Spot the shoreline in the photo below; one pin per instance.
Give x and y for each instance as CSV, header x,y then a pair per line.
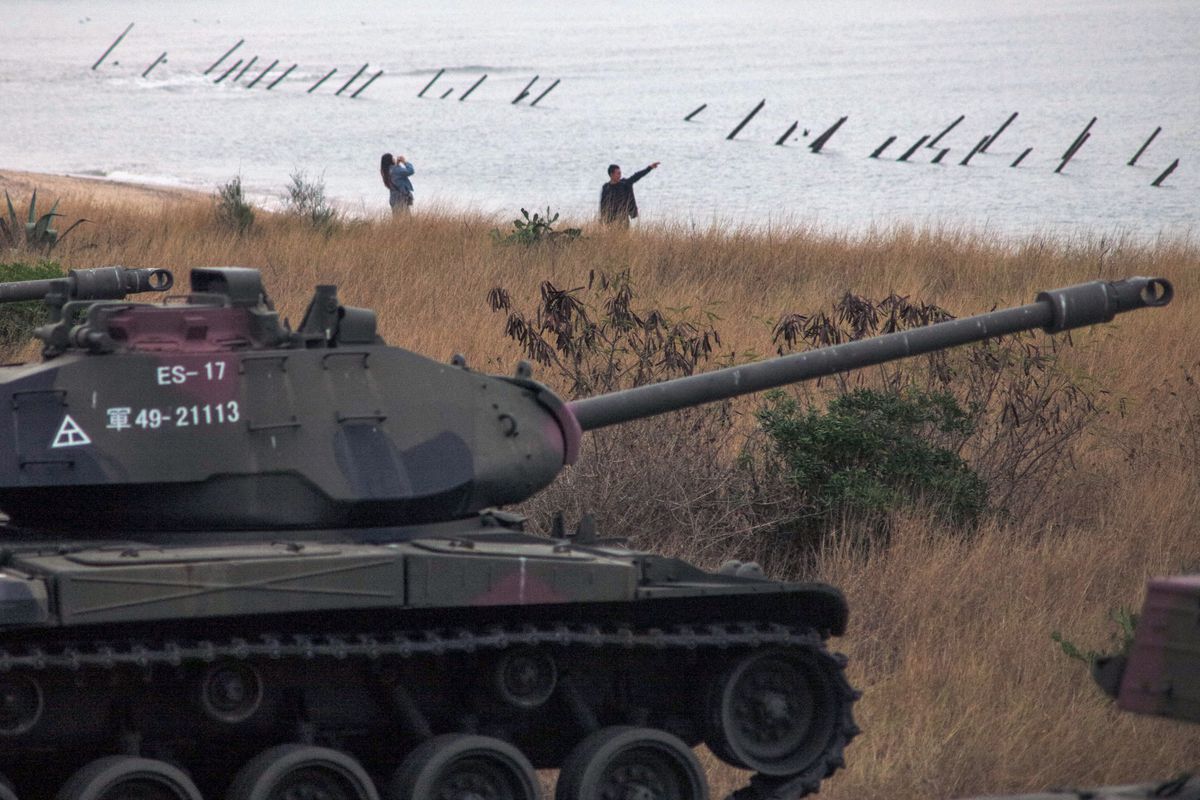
x,y
103,190
20,185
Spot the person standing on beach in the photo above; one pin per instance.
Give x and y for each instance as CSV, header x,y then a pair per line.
x,y
617,203
395,172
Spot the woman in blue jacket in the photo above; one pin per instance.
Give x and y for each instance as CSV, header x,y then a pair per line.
x,y
395,172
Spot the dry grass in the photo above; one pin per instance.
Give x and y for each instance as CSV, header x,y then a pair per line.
x,y
950,635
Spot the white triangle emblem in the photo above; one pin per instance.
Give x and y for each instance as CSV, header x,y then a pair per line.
x,y
70,434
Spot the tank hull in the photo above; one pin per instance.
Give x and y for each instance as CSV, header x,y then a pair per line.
x,y
376,640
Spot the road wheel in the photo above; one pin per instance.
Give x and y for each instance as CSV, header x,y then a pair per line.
x,y
6,789
776,712
129,778
302,772
631,764
21,704
464,767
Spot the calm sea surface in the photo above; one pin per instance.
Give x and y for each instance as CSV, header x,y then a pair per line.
x,y
630,72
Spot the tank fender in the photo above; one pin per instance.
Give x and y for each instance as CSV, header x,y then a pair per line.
x,y
820,605
24,600
828,605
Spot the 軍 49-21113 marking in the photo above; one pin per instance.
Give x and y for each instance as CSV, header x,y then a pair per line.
x,y
126,418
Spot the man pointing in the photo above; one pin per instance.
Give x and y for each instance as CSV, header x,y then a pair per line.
x,y
617,203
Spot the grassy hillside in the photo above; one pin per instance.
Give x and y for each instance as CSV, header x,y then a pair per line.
x,y
950,635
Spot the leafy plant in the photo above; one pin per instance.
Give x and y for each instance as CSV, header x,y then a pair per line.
x,y
871,451
35,233
232,210
17,320
306,199
1120,642
536,229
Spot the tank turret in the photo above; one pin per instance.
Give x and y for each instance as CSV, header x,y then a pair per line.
x,y
326,426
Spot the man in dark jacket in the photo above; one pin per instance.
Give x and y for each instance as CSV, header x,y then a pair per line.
x,y
617,203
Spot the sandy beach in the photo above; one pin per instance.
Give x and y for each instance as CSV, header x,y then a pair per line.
x,y
20,186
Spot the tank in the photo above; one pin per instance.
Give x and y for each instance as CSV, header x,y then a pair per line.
x,y
1183,787
259,563
1159,675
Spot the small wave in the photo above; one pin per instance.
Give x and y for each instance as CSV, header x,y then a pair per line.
x,y
470,69
148,178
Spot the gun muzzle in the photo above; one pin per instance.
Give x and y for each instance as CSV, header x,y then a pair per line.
x,y
1100,301
101,283
114,283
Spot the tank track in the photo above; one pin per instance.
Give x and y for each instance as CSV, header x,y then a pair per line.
x,y
145,653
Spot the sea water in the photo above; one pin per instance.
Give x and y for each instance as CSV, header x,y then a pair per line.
x,y
630,72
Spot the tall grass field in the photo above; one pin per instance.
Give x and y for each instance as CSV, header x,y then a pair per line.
x,y
950,636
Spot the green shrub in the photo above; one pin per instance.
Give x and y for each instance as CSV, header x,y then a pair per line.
x,y
233,212
872,451
35,233
17,320
306,200
530,230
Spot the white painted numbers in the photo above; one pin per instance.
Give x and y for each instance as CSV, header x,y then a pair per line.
x,y
207,414
194,416
151,418
133,418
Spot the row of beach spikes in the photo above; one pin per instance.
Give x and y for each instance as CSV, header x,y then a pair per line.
x,y
242,66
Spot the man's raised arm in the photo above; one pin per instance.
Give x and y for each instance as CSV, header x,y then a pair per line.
x,y
637,176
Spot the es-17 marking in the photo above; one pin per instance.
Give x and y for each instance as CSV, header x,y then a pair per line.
x,y
175,374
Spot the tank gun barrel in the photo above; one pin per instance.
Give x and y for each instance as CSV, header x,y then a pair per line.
x,y
1054,311
102,283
